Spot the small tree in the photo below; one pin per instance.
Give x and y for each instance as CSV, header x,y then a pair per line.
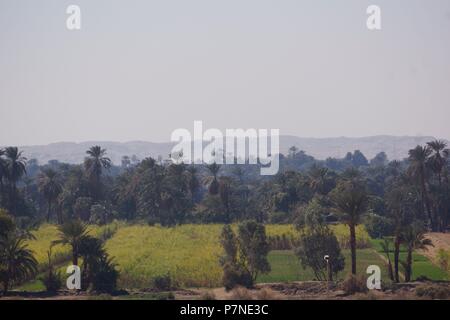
x,y
52,279
17,262
99,271
314,245
253,248
72,233
414,237
245,255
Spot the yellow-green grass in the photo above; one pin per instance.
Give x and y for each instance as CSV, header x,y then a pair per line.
x,y
48,233
188,253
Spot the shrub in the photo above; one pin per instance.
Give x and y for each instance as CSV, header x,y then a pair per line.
x,y
162,282
354,284
249,249
234,276
105,276
52,281
433,291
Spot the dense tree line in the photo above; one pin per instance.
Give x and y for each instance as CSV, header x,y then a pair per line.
x,y
397,199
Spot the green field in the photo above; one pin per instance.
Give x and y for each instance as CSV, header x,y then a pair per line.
x,y
190,254
422,266
286,266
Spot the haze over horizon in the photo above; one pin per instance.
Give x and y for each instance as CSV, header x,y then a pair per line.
x,y
137,70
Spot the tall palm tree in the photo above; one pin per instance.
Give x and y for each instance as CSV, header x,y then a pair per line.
x,y
72,233
418,158
49,184
15,169
94,165
350,202
437,159
18,262
414,237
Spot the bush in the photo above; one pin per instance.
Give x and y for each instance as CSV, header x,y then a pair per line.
x,y
105,276
433,291
162,282
234,276
378,226
354,284
52,281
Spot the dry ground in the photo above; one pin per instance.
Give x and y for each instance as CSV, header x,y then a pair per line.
x,y
440,241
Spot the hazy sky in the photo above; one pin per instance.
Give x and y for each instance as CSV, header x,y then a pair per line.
x,y
137,70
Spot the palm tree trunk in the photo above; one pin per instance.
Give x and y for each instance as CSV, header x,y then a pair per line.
x,y
391,272
396,258
426,201
74,256
5,285
408,271
353,246
49,210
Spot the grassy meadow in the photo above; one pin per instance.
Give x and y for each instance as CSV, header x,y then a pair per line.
x,y
190,254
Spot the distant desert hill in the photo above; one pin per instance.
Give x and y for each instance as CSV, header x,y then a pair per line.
x,y
396,147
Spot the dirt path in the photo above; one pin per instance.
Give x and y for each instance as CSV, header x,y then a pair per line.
x,y
440,241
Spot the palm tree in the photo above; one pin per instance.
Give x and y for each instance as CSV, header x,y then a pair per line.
x,y
49,184
438,162
350,201
15,169
418,158
318,178
18,262
414,237
395,201
94,165
213,183
72,233
437,159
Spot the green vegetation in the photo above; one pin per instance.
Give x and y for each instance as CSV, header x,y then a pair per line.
x,y
421,265
153,224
